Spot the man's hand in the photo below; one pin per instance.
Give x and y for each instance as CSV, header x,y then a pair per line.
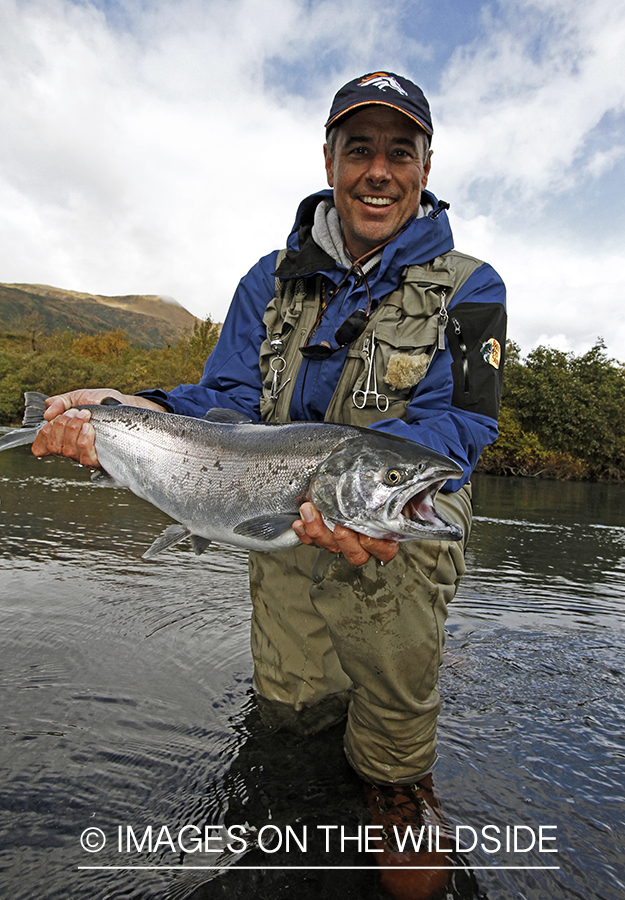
x,y
356,548
68,432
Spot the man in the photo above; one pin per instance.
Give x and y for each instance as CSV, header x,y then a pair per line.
x,y
369,282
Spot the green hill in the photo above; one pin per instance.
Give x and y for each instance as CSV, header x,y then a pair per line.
x,y
147,320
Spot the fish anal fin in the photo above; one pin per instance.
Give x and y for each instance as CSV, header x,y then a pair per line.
x,y
172,535
199,544
266,528
103,479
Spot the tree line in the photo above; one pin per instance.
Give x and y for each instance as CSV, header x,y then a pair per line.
x,y
62,360
562,414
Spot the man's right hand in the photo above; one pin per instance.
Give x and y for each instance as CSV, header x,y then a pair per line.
x,y
68,432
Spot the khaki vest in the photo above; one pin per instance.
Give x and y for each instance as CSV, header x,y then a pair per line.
x,y
409,325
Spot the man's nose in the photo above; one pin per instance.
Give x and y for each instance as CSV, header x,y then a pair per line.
x,y
379,169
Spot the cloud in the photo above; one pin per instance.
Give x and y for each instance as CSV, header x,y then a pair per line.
x,y
164,147
143,148
528,94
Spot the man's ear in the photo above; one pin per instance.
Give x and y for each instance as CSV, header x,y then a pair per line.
x,y
329,165
427,165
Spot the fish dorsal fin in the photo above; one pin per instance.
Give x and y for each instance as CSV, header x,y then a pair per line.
x,y
199,544
227,417
111,401
172,535
266,528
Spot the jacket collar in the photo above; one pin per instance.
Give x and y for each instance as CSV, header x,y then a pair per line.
x,y
423,240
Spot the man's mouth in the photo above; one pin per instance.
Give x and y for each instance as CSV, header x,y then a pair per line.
x,y
377,201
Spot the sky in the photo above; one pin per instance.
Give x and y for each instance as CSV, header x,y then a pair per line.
x,y
163,146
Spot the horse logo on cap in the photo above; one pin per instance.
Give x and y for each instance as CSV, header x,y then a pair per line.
x,y
382,81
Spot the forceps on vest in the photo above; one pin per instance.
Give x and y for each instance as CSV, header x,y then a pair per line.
x,y
359,397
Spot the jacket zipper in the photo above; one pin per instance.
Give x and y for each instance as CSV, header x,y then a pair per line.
x,y
463,349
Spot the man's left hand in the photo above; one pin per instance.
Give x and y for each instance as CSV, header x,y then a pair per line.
x,y
355,547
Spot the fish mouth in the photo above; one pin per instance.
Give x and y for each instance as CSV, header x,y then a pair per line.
x,y
418,514
420,506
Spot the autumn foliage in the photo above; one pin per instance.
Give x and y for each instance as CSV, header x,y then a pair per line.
x,y
63,360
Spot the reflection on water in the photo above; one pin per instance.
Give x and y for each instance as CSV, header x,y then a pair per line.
x,y
126,701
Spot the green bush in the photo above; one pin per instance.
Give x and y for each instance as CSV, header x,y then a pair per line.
x,y
562,416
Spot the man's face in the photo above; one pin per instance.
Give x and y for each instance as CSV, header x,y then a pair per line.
x,y
377,172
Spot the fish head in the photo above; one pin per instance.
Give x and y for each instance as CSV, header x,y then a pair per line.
x,y
385,487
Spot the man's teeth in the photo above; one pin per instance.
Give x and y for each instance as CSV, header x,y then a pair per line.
x,y
377,201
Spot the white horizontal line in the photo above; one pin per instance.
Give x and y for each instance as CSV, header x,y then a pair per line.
x,y
301,868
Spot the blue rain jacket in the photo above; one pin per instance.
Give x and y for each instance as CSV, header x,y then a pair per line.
x,y
434,418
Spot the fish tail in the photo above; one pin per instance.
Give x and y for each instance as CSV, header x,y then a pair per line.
x,y
34,409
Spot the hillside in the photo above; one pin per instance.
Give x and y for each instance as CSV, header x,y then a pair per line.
x,y
147,320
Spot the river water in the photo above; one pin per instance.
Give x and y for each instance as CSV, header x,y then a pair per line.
x,y
126,708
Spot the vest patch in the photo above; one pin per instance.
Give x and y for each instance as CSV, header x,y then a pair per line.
x,y
405,371
491,352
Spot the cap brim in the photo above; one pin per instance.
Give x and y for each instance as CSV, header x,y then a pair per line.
x,y
354,106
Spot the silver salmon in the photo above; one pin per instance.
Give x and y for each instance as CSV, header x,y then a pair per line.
x,y
241,483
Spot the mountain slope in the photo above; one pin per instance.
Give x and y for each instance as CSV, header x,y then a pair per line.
x,y
148,320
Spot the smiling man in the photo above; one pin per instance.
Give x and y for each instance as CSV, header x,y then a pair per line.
x,y
378,164
368,317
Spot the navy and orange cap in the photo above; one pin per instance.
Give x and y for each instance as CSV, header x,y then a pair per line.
x,y
382,89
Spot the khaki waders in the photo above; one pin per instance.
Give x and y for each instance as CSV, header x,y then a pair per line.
x,y
327,636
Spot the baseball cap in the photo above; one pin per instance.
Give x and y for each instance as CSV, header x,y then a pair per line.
x,y
383,89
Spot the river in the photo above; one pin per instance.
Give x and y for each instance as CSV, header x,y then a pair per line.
x,y
127,715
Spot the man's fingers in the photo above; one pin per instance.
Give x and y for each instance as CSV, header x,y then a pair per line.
x,y
85,443
356,548
350,546
382,549
71,435
56,406
311,529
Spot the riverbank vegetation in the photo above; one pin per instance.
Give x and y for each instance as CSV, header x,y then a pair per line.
x,y
562,415
61,360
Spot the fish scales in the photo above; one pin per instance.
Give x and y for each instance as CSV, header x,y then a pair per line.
x,y
243,483
182,465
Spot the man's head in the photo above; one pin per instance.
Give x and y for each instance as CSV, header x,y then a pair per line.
x,y
377,157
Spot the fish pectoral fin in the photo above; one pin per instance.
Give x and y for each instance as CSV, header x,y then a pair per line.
x,y
266,528
199,544
227,417
172,535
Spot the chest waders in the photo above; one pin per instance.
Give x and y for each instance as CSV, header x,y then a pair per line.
x,y
326,635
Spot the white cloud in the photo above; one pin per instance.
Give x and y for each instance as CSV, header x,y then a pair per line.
x,y
157,159
528,118
164,147
521,103
555,296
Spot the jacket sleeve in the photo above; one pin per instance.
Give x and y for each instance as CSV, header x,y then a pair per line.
x,y
231,376
455,407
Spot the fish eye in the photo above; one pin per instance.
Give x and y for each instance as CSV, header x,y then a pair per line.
x,y
393,476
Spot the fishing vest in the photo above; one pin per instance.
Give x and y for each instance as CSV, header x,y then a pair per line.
x,y
409,325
